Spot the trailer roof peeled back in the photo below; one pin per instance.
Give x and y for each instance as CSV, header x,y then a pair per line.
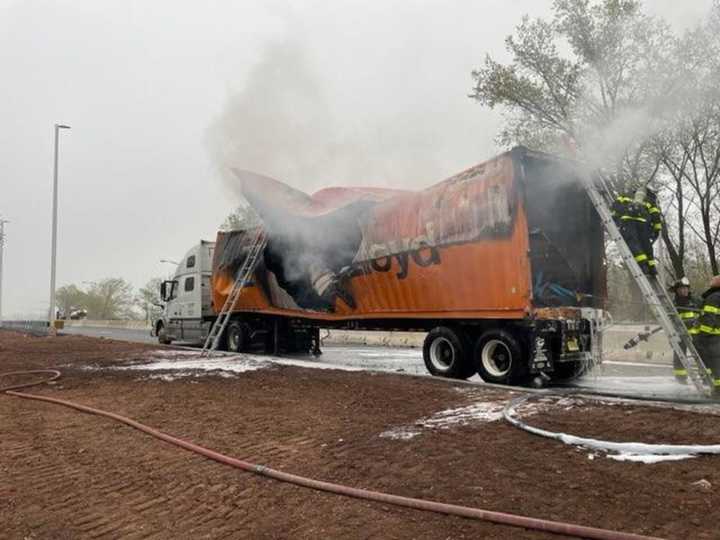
x,y
496,241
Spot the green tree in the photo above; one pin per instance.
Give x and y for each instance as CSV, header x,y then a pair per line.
x,y
110,298
640,103
596,91
69,298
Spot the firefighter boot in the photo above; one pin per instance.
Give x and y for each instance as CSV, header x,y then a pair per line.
x,y
679,371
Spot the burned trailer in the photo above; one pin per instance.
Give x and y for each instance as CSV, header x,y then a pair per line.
x,y
503,265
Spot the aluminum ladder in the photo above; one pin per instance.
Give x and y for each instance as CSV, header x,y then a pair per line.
x,y
656,297
242,277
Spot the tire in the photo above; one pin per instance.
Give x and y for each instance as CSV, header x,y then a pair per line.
x,y
446,353
236,337
162,335
499,357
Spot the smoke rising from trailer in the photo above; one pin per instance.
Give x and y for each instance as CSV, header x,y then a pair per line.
x,y
284,123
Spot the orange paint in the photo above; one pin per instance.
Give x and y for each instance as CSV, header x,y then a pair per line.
x,y
477,224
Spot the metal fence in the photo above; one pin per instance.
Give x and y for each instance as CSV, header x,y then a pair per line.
x,y
37,328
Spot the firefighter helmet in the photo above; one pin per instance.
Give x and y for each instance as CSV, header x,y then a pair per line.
x,y
682,282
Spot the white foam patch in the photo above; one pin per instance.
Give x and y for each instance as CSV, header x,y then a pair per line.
x,y
484,411
192,363
478,412
649,458
231,364
169,377
395,354
399,434
175,353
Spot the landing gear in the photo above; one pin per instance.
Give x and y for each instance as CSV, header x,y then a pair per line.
x,y
315,350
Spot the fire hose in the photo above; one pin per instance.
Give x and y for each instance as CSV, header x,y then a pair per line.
x,y
605,446
501,518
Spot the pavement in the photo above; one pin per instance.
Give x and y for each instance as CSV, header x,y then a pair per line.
x,y
133,335
619,373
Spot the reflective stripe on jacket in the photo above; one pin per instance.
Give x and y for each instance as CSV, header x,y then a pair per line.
x,y
708,323
688,309
626,209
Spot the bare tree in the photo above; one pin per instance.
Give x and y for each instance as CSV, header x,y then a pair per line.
x,y
243,217
689,148
148,298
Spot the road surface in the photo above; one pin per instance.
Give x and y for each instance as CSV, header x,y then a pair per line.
x,y
617,374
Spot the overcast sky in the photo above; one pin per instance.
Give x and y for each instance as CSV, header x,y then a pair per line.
x,y
161,94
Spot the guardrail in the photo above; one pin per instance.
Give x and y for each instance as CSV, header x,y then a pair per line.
x,y
654,349
91,323
39,328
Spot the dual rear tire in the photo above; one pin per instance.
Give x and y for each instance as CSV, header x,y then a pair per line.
x,y
496,355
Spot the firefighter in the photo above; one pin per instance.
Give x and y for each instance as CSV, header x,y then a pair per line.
x,y
706,332
655,224
688,309
640,224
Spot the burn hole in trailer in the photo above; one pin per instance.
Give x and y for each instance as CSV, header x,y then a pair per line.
x,y
292,274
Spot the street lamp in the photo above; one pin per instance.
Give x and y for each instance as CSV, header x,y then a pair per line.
x,y
51,309
169,261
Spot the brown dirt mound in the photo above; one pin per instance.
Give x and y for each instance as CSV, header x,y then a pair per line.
x,y
70,475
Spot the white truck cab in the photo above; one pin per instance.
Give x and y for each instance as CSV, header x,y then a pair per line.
x,y
187,313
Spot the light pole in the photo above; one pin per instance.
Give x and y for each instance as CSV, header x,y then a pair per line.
x,y
2,248
51,310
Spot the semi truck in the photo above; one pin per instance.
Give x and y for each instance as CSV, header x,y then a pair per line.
x,y
502,265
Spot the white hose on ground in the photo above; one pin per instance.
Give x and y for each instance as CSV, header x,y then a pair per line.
x,y
630,448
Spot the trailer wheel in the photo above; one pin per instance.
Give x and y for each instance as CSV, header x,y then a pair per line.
x,y
445,353
162,335
236,336
498,357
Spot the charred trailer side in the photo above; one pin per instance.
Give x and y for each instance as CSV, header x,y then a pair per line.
x,y
502,265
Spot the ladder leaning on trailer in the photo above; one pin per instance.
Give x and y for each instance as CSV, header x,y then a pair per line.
x,y
653,293
242,277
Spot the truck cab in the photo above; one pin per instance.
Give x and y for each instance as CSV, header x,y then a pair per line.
x,y
187,312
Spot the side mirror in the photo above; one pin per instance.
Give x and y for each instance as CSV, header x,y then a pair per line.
x,y
163,290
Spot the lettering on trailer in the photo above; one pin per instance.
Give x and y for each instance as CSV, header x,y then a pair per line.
x,y
420,250
384,263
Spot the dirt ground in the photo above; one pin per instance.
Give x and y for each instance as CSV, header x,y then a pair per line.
x,y
64,474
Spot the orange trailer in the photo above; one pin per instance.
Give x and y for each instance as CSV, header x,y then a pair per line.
x,y
502,264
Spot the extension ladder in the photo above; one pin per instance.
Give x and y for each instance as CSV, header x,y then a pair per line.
x,y
655,296
242,277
